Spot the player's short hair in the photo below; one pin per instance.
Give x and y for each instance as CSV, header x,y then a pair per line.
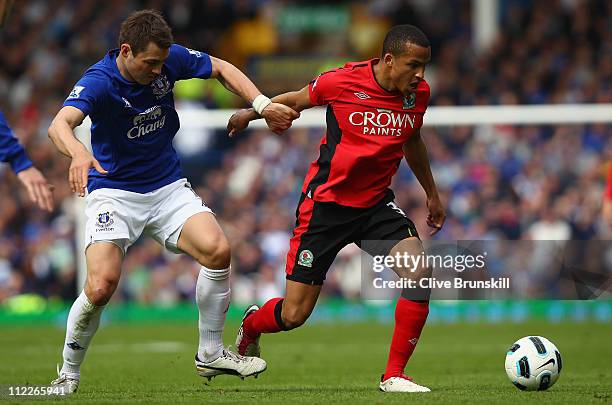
x,y
144,26
399,35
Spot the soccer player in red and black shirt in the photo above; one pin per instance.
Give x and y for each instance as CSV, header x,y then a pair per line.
x,y
375,111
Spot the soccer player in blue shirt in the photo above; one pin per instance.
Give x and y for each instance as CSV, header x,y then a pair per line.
x,y
39,190
135,184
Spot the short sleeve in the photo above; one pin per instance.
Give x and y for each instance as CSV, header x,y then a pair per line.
x,y
325,88
192,63
88,93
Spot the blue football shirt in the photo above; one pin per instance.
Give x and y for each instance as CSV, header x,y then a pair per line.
x,y
132,124
11,150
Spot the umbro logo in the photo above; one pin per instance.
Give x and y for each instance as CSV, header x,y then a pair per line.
x,y
414,341
361,95
75,346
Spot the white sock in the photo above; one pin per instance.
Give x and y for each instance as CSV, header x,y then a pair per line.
x,y
212,297
83,321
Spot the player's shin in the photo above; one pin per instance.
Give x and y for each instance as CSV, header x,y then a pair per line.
x,y
212,298
410,317
83,321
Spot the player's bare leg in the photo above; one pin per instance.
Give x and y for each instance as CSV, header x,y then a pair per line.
x,y
203,239
103,272
410,315
300,300
277,314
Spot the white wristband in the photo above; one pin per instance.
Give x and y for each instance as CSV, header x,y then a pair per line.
x,y
260,103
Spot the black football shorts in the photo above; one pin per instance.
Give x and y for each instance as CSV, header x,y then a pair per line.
x,y
322,229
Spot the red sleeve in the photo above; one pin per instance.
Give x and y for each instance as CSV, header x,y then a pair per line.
x,y
325,88
608,193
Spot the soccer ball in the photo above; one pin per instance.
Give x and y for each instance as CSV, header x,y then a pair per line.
x,y
533,363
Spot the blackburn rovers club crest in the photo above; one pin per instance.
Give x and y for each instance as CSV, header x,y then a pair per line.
x,y
408,102
105,220
305,258
160,86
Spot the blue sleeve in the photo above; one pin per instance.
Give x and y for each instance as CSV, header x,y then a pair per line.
x,y
191,64
88,94
10,149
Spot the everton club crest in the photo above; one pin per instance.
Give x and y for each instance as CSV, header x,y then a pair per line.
x,y
161,86
105,221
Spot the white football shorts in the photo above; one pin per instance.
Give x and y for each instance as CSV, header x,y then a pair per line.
x,y
120,216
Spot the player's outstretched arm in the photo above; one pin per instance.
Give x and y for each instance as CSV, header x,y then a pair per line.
x,y
61,133
415,153
296,100
276,115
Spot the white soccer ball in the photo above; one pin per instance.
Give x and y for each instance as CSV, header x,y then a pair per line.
x,y
533,363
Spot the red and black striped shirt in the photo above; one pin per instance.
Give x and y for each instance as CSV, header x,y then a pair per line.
x,y
366,129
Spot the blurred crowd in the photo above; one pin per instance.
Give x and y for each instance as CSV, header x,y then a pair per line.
x,y
500,182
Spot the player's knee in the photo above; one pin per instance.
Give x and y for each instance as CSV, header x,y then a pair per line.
x,y
222,255
100,290
293,318
219,257
100,294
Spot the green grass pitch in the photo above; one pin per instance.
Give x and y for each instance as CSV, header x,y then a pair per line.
x,y
462,363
